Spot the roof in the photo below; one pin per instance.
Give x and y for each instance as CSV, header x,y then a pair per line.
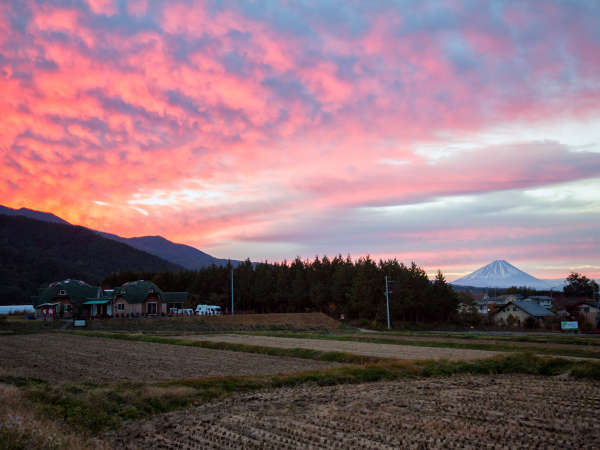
x,y
96,302
75,290
138,291
42,305
179,297
562,302
532,308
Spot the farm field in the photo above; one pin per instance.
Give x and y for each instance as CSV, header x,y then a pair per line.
x,y
203,324
509,411
587,348
358,348
61,357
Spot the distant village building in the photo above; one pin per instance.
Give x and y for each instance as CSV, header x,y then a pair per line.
x,y
70,298
517,312
542,300
590,312
481,300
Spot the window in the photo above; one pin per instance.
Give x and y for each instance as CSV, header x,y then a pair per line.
x,y
120,306
150,291
151,308
62,292
67,308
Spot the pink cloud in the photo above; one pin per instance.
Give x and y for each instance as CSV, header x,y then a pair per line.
x,y
108,110
106,7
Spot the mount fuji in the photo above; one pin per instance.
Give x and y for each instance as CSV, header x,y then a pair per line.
x,y
501,274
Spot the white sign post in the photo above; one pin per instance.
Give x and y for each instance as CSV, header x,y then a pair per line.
x,y
569,326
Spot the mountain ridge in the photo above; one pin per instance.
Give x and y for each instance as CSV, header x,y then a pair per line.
x,y
32,214
180,254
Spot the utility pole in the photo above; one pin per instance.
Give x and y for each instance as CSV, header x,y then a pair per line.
x,y
387,300
231,290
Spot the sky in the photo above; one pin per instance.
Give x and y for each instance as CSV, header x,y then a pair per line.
x,y
449,133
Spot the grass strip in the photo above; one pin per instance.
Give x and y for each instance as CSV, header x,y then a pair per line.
x,y
339,357
533,337
498,347
540,338
94,408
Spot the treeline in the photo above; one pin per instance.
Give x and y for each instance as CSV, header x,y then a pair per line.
x,y
334,286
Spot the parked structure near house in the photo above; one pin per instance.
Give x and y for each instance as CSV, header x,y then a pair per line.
x,y
208,310
518,311
65,299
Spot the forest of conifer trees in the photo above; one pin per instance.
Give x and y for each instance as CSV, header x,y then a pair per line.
x,y
333,286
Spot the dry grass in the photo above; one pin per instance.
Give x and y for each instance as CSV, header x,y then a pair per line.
x,y
22,428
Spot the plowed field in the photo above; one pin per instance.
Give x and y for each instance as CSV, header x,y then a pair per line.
x,y
70,358
457,412
359,348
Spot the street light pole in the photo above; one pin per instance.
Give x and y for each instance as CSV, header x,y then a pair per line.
x,y
387,301
232,291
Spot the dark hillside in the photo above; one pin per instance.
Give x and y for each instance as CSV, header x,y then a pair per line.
x,y
34,252
32,214
178,254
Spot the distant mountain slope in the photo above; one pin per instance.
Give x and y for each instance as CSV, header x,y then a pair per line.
x,y
180,254
501,274
35,252
38,215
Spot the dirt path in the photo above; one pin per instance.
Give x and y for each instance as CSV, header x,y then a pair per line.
x,y
70,358
359,348
457,412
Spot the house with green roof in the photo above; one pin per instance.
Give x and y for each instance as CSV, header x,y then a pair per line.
x,y
76,298
143,297
63,298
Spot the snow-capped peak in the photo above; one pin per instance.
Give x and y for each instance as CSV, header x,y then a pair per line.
x,y
501,274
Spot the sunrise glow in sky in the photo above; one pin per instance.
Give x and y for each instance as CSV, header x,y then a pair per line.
x,y
451,133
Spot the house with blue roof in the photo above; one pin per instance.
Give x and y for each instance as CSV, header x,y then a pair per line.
x,y
518,311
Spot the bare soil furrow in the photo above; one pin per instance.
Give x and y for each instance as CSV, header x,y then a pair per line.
x,y
457,412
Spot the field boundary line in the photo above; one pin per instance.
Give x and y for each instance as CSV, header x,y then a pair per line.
x,y
317,355
498,347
